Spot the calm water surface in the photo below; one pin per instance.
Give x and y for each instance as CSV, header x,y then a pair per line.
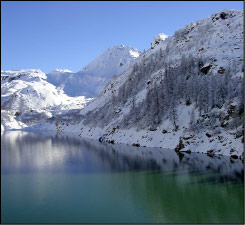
x,y
64,179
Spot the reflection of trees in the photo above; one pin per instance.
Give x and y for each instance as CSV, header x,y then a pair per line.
x,y
27,149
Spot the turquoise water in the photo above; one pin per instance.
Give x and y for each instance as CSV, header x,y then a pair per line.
x,y
64,179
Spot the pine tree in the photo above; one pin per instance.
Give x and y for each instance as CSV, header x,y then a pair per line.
x,y
192,119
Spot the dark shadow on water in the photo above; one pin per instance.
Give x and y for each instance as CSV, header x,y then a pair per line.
x,y
223,179
44,151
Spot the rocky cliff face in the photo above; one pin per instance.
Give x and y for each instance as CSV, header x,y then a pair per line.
x,y
158,39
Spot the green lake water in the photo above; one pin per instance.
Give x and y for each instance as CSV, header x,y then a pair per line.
x,y
63,179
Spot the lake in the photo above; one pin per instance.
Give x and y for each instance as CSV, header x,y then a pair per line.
x,y
47,178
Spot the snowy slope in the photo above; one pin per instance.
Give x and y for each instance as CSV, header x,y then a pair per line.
x,y
91,80
30,96
211,51
26,98
113,61
57,76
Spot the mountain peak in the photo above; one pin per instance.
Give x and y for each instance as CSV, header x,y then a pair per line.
x,y
91,80
113,61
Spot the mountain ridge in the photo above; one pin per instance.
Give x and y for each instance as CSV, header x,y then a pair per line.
x,y
93,77
151,104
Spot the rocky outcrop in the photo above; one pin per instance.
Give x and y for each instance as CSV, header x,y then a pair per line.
x,y
158,39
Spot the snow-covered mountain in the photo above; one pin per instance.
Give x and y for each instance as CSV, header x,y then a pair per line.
x,y
30,96
27,98
91,80
184,93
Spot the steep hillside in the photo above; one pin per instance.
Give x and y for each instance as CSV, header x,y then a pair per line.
x,y
91,80
184,93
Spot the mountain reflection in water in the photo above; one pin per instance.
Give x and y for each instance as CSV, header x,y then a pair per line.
x,y
29,151
73,180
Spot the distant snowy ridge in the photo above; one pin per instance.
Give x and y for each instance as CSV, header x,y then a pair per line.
x,y
91,80
27,98
112,62
60,71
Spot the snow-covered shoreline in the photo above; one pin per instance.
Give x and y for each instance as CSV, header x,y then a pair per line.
x,y
225,143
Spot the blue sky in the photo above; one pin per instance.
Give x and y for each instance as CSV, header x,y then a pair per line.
x,y
50,35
